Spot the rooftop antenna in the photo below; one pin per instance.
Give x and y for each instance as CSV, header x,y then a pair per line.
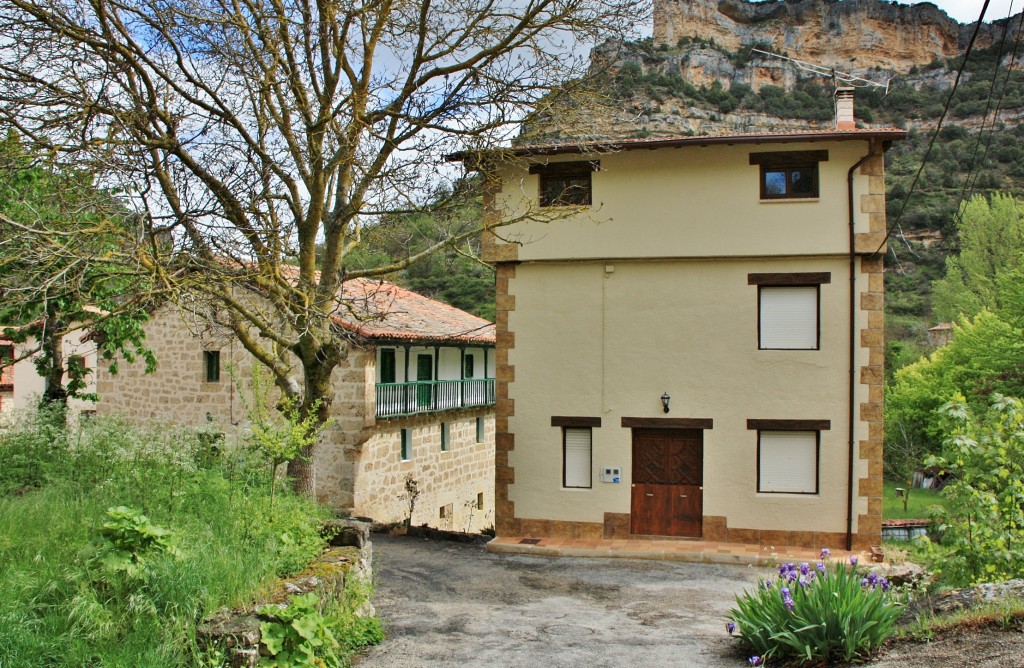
x,y
831,72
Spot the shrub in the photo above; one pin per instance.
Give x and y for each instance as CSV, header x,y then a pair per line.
x,y
983,526
815,614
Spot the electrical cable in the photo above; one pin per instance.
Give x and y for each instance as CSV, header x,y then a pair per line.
x,y
938,128
995,114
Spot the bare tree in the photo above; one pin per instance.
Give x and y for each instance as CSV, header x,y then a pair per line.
x,y
250,131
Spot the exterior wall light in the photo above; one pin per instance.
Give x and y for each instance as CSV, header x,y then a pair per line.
x,y
664,401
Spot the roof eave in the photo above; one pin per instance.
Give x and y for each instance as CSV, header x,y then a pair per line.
x,y
885,135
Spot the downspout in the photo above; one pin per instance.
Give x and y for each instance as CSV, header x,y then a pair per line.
x,y
853,349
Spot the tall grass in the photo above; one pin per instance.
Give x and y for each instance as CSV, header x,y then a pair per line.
x,y
58,608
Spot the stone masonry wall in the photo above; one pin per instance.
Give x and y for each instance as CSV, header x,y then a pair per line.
x,y
178,393
450,482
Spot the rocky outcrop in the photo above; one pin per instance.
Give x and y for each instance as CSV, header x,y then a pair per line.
x,y
849,34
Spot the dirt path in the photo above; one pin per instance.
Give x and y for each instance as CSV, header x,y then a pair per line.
x,y
449,604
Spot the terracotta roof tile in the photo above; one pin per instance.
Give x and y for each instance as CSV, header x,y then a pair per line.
x,y
380,310
7,375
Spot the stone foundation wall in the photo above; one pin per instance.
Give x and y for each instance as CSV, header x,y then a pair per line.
x,y
456,486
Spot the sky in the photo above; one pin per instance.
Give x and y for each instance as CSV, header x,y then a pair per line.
x,y
967,11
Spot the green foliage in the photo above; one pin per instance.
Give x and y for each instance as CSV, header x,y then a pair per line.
x,y
281,435
452,274
298,635
991,242
127,542
60,606
983,523
921,503
983,358
62,268
815,615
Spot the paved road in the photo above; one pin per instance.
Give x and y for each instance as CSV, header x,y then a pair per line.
x,y
450,604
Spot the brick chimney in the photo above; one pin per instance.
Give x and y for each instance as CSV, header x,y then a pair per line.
x,y
844,108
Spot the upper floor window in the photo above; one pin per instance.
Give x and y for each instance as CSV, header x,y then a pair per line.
x,y
387,365
788,310
566,183
468,370
789,174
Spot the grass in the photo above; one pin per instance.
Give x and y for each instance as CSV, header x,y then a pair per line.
x,y
918,505
59,606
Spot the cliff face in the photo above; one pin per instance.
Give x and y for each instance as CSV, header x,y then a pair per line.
x,y
845,34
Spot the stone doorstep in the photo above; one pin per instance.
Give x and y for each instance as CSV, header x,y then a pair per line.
x,y
238,631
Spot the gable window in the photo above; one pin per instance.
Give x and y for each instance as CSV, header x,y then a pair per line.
x,y
387,365
788,455
788,307
566,183
211,361
788,174
406,445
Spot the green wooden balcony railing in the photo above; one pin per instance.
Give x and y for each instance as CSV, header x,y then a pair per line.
x,y
431,396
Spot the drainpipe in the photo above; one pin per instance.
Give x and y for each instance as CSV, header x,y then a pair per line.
x,y
853,349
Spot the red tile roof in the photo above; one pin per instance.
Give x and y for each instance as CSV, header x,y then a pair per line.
x,y
7,375
376,309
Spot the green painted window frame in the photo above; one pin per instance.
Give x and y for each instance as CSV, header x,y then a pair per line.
x,y
211,361
406,444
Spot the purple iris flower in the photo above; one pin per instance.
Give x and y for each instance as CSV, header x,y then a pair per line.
x,y
731,628
805,568
754,661
821,567
825,553
853,560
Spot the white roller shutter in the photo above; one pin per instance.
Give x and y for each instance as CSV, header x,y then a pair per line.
x,y
577,457
789,318
788,462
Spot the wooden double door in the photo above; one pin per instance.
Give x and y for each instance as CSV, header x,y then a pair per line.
x,y
668,478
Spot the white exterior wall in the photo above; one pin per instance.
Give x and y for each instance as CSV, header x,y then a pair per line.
x,y
29,385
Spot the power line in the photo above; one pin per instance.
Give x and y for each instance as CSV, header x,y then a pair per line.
x,y
938,128
999,105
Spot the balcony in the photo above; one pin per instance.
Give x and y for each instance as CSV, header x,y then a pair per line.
x,y
431,396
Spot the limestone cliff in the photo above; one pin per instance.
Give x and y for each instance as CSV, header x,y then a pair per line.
x,y
846,34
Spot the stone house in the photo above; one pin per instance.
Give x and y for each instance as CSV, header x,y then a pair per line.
x,y
415,399
719,316
21,385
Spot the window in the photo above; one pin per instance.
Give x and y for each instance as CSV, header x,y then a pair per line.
x,y
576,456
387,365
479,500
788,310
445,436
566,183
211,360
789,174
479,430
468,370
406,445
787,462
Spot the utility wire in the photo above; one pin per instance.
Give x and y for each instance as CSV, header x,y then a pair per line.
x,y
931,144
995,114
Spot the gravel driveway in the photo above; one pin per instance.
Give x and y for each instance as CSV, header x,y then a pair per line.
x,y
451,604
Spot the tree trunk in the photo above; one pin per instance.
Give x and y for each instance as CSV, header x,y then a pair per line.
x,y
52,347
317,398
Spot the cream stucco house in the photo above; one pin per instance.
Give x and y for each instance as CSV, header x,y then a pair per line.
x,y
415,398
693,347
